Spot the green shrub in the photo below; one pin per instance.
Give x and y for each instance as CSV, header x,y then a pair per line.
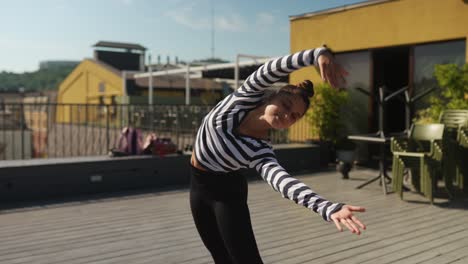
x,y
325,117
453,93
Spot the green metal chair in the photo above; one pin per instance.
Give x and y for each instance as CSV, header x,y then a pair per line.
x,y
463,143
462,177
422,153
463,139
455,142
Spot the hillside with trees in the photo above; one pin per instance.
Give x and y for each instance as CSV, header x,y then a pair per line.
x,y
40,80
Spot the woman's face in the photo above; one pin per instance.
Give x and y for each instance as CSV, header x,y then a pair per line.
x,y
282,112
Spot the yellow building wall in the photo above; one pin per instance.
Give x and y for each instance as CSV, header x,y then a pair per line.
x,y
381,25
82,87
386,24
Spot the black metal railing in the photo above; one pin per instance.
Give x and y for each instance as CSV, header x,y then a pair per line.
x,y
50,130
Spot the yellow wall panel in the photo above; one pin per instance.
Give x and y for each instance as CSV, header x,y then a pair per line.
x,y
381,25
82,87
73,94
386,24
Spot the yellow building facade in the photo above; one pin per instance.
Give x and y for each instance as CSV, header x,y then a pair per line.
x,y
386,42
93,85
89,83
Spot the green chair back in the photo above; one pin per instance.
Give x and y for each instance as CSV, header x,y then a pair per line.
x,y
427,132
454,118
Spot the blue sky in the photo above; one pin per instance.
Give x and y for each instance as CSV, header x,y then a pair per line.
x,y
34,31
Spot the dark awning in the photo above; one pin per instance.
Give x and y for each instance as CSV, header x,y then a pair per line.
x,y
119,45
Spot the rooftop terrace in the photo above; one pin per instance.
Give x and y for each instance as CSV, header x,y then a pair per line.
x,y
156,227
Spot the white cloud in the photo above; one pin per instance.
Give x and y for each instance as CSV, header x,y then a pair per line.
x,y
232,23
127,2
187,17
265,19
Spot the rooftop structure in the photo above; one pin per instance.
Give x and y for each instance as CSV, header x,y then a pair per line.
x,y
119,45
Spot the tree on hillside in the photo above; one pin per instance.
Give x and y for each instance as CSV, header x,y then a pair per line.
x,y
43,79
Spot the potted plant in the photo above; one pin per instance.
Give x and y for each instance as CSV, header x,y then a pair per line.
x,y
325,118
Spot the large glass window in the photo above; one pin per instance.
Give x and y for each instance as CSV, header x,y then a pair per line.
x,y
426,57
357,111
358,66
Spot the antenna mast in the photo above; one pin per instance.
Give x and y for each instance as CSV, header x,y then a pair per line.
x,y
212,31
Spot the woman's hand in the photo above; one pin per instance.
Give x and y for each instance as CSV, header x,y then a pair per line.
x,y
331,71
346,217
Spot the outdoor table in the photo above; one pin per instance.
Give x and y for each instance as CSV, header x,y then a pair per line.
x,y
379,137
376,138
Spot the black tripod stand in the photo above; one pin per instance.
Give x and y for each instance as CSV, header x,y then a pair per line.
x,y
379,137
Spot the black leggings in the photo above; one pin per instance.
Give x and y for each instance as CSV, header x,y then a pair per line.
x,y
219,208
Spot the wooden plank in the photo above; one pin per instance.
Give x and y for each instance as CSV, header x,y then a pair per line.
x,y
178,261
375,244
445,253
158,228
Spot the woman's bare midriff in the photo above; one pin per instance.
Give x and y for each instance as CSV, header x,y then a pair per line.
x,y
194,162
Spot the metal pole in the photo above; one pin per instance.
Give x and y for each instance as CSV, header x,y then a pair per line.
x,y
48,127
22,124
55,129
63,130
124,86
407,111
187,85
79,129
381,110
70,128
3,116
212,31
86,127
150,81
125,92
150,92
107,128
236,73
12,133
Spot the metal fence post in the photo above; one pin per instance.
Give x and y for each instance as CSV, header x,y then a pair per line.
x,y
107,128
22,129
63,129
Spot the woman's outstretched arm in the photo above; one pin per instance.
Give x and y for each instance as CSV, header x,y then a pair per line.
x,y
273,70
289,187
270,72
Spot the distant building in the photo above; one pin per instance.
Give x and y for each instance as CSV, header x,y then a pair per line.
x,y
108,78
121,56
57,64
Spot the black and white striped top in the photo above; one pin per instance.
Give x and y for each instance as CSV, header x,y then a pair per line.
x,y
219,149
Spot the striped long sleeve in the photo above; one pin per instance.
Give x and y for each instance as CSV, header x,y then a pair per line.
x,y
294,190
273,70
218,148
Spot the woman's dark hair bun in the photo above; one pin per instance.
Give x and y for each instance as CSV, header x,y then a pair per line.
x,y
308,87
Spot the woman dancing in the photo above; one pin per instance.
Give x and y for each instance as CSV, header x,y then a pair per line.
x,y
233,136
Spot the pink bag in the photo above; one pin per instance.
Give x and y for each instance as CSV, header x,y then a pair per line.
x,y
130,143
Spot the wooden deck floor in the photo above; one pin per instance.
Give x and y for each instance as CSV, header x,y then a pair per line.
x,y
157,228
